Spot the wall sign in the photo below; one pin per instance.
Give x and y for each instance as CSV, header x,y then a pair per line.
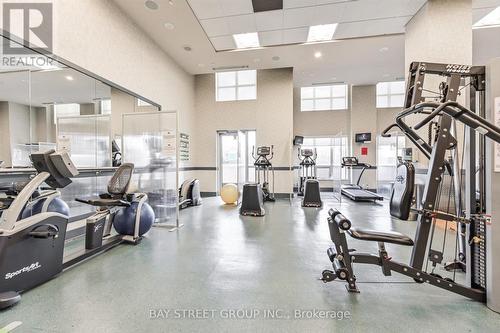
x,y
184,147
496,145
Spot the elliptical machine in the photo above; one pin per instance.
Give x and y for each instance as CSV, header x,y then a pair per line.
x,y
254,195
263,165
308,182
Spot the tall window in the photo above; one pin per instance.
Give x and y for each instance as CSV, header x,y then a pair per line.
x,y
330,152
390,94
388,150
322,98
236,86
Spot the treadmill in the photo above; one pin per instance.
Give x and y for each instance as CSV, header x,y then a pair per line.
x,y
354,191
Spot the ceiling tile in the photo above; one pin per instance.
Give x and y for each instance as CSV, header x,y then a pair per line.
x,y
241,24
298,17
371,28
298,3
268,38
292,36
271,20
215,27
223,43
236,7
329,14
204,9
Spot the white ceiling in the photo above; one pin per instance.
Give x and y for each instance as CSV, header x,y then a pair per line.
x,y
221,19
365,60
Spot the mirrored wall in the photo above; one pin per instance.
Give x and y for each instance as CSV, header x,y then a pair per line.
x,y
46,104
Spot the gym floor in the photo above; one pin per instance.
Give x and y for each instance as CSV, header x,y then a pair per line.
x,y
221,261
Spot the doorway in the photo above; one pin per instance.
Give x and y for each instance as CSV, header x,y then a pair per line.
x,y
235,162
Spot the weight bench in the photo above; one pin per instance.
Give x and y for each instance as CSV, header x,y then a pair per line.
x,y
342,257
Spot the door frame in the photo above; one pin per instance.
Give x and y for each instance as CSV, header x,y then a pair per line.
x,y
219,172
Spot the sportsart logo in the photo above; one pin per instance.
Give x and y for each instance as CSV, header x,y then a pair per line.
x,y
32,267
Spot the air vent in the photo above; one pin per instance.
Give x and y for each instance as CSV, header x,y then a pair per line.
x,y
266,5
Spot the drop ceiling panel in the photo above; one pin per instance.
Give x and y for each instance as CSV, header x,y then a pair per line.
x,y
272,20
291,36
236,7
298,17
204,9
241,24
223,43
298,3
371,28
269,38
237,16
215,27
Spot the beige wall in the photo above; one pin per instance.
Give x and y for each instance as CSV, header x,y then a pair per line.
x,y
318,123
271,115
362,116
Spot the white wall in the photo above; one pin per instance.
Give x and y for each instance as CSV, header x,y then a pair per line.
x,y
271,115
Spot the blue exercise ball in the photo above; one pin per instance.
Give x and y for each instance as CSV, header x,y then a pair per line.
x,y
57,205
125,219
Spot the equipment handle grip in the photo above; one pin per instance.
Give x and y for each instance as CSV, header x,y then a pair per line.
x,y
51,231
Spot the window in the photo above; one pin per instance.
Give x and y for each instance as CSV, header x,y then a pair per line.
x,y
390,94
322,98
330,152
236,86
66,110
388,150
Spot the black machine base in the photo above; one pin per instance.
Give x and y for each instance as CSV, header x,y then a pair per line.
x,y
252,202
8,299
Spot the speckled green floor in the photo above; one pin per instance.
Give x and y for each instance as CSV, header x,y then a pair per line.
x,y
220,262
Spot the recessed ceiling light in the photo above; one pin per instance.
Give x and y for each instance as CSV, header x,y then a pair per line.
x,y
489,20
333,78
69,78
201,65
150,4
386,75
248,40
256,60
187,48
383,49
171,2
318,54
318,33
169,26
276,58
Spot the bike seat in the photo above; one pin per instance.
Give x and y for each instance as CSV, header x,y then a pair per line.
x,y
381,236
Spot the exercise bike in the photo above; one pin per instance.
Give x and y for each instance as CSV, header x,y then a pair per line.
x,y
32,248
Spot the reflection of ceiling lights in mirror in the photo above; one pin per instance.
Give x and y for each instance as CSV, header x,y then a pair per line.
x,y
489,20
69,78
248,40
318,54
320,33
150,4
169,26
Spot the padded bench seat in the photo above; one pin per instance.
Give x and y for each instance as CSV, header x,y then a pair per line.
x,y
381,236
